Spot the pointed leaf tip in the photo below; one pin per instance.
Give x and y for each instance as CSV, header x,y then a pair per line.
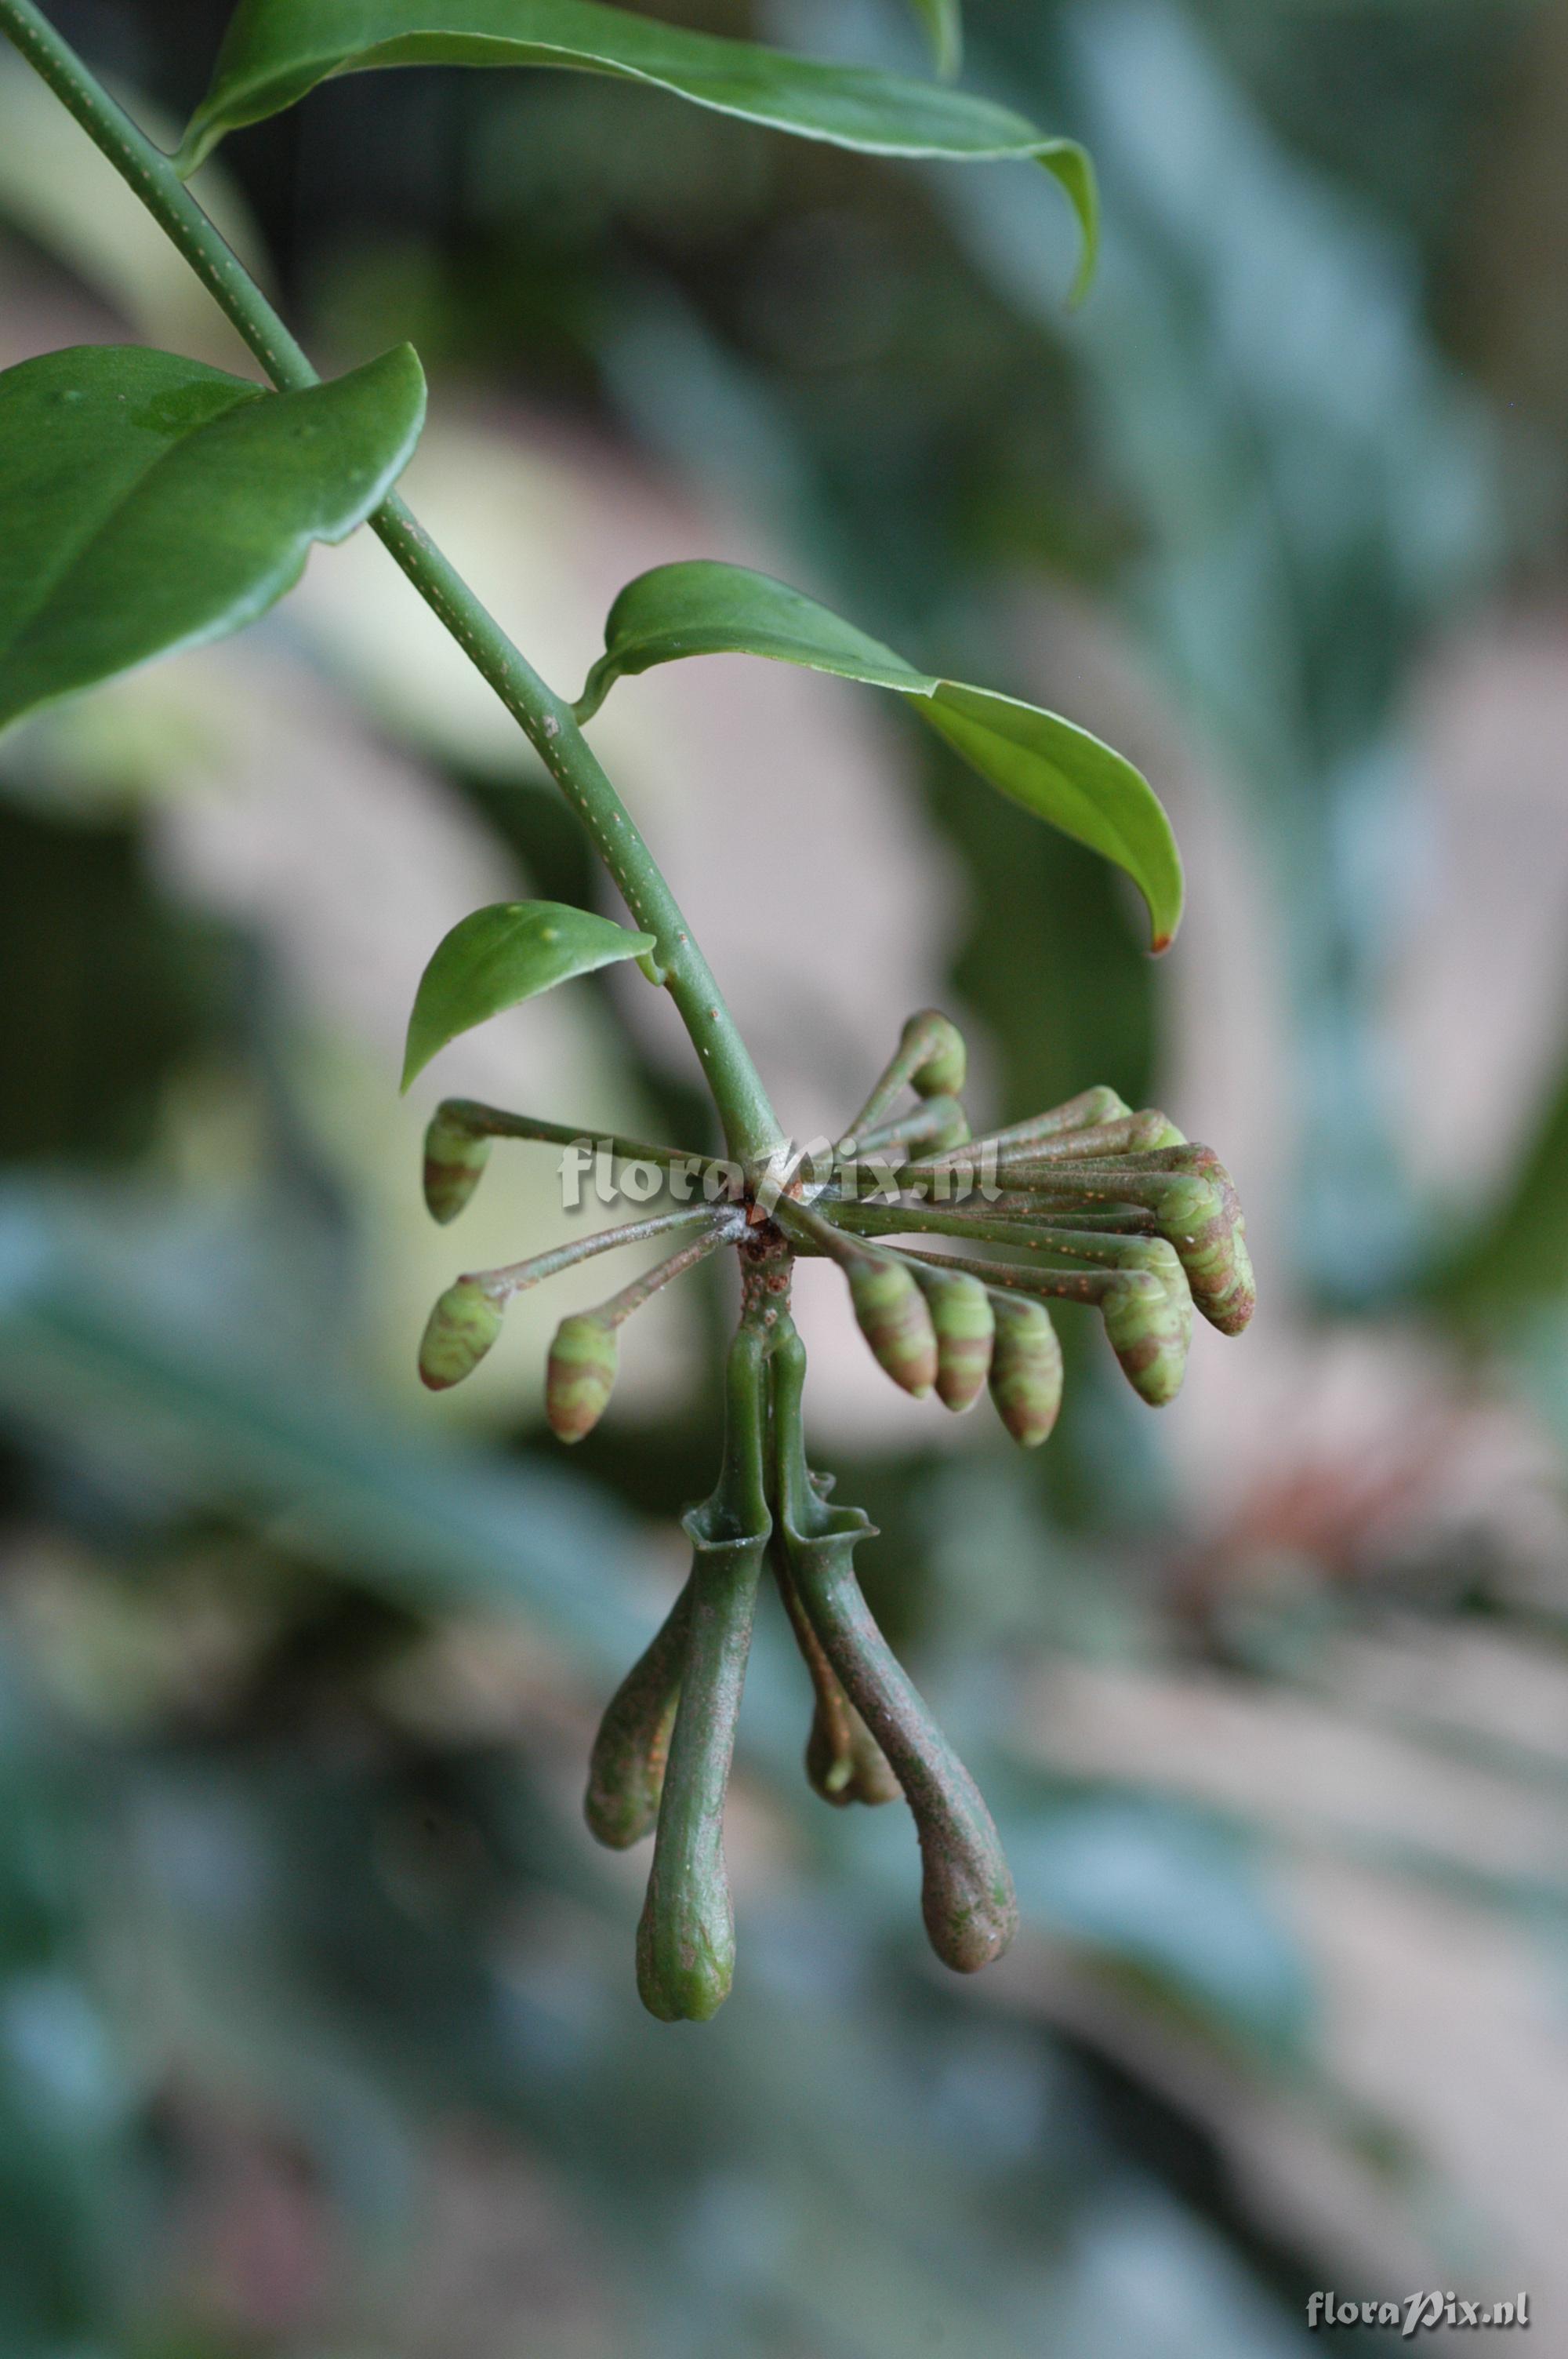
x,y
501,956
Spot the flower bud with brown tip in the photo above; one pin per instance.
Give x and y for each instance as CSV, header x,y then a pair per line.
x,y
965,1322
1203,1221
459,1330
1148,1333
895,1323
454,1160
581,1375
1026,1370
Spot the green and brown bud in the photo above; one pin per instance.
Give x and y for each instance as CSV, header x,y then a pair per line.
x,y
1203,1219
895,1323
626,1770
454,1160
965,1324
1026,1370
966,1891
581,1375
939,1060
1149,1329
844,1763
460,1330
948,1125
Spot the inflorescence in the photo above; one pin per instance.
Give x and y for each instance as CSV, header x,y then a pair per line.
x,y
1090,1202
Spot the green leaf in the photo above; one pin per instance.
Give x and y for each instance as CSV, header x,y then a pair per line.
x,y
503,954
944,22
1050,765
152,502
275,50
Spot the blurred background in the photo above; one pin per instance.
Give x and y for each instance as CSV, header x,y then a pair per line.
x,y
318,2029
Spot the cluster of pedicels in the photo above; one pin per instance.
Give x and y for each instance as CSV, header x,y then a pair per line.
x,y
1089,1202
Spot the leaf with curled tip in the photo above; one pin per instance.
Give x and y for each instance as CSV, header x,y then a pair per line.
x,y
1049,764
276,51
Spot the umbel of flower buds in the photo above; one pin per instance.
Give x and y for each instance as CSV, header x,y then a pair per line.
x,y
1095,1204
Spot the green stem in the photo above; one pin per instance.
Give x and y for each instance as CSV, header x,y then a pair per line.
x,y
631,1299
546,720
494,1122
685,1939
1060,1284
518,1275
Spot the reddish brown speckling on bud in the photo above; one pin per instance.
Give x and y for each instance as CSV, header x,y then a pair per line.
x,y
1149,1323
1200,1215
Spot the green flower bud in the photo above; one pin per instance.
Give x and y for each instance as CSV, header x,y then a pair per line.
x,y
1203,1221
626,1771
1026,1370
895,1323
952,1128
460,1330
844,1763
1148,1331
454,1158
1162,1260
965,1322
943,1060
581,1375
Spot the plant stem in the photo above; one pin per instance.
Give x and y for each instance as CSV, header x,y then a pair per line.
x,y
518,1275
546,720
481,1121
619,1307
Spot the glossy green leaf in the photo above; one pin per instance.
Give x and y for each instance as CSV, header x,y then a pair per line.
x,y
152,502
503,954
1050,765
944,23
276,51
